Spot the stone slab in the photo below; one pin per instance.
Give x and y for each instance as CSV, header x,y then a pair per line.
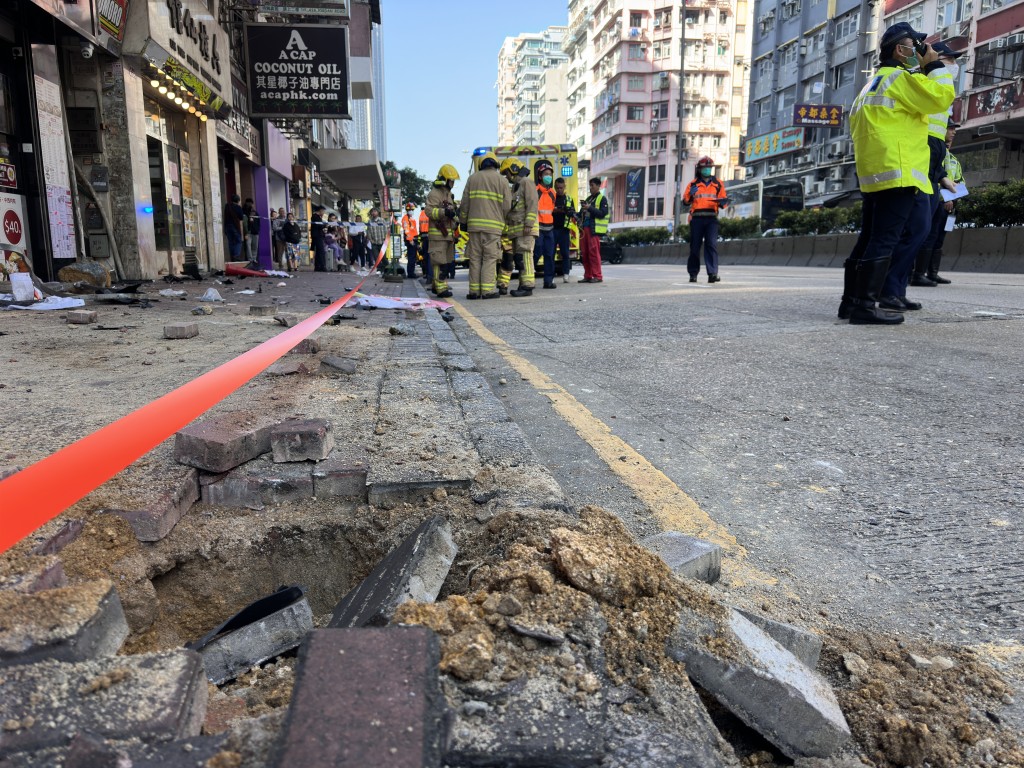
x,y
235,652
762,683
222,442
259,484
287,319
294,365
82,316
339,477
181,330
34,573
262,310
151,697
414,570
805,645
339,364
501,443
459,363
686,556
365,697
77,623
172,497
301,440
63,536
308,346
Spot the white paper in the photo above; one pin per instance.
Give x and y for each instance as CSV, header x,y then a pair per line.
x,y
21,283
950,222
961,191
52,302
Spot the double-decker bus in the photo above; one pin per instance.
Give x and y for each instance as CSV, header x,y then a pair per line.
x,y
763,198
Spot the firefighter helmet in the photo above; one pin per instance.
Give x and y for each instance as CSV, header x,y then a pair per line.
x,y
512,166
447,173
410,207
705,162
488,160
543,165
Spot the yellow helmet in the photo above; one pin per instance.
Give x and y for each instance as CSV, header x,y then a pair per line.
x,y
448,173
511,166
488,157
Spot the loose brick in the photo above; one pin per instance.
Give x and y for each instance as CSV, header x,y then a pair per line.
x,y
75,623
291,365
81,316
163,508
222,442
338,477
89,751
181,330
339,364
262,309
287,319
6,472
374,696
301,440
67,533
686,556
258,484
308,346
34,573
150,697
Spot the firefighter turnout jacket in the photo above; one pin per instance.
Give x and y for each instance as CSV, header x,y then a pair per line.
x,y
486,202
889,125
704,196
439,195
522,218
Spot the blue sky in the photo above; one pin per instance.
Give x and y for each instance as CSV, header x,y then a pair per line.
x,y
440,66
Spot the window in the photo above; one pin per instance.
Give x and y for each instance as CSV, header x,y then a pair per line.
x,y
763,67
914,16
692,17
656,174
848,25
719,81
991,5
844,74
763,107
991,67
766,22
723,46
790,9
635,19
659,111
723,18
787,99
636,52
635,83
716,142
789,55
949,12
634,113
658,143
979,157
655,206
634,143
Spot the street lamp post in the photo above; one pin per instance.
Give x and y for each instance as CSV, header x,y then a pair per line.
x,y
680,134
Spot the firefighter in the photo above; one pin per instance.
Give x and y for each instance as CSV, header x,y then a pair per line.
x,y
424,244
705,195
545,247
486,202
889,125
443,218
521,229
410,233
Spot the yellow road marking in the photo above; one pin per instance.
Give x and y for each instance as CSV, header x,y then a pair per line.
x,y
671,506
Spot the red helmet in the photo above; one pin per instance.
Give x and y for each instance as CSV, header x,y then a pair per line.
x,y
410,207
705,162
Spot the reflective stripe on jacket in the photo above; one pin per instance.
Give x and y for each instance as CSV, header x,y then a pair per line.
x,y
939,121
704,196
889,125
438,196
596,221
953,168
545,206
522,218
486,202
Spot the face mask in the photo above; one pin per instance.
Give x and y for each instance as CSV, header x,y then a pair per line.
x,y
546,180
705,172
954,69
911,62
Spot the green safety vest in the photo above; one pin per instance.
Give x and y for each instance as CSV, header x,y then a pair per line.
x,y
600,225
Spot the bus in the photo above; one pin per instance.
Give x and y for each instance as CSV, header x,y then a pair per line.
x,y
764,198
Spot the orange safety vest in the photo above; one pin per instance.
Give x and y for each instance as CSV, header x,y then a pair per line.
x,y
424,223
545,205
704,197
410,226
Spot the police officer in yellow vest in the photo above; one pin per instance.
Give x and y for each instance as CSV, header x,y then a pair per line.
x,y
889,124
486,201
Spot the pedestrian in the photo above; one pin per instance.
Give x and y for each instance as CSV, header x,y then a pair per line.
x,y
234,227
520,229
594,213
292,234
705,195
377,234
334,254
357,233
565,209
545,245
410,233
277,220
443,217
486,202
317,233
889,125
252,233
424,244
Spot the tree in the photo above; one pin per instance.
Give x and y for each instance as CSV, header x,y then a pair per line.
x,y
414,187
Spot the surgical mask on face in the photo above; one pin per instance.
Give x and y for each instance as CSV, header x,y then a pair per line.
x,y
953,67
705,172
546,180
911,62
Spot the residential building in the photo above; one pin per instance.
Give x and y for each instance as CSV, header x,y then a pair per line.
x,y
506,87
522,62
578,46
990,84
551,98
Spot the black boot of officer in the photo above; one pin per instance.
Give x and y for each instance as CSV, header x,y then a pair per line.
x,y
933,268
869,278
846,303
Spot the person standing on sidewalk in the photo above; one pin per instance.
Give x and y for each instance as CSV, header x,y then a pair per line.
x,y
234,228
443,218
486,202
521,228
424,244
956,174
377,232
705,195
410,233
565,208
317,232
595,223
252,234
545,245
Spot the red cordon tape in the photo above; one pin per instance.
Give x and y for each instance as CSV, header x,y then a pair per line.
x,y
40,492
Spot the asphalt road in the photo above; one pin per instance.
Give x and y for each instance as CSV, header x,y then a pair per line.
x,y
875,471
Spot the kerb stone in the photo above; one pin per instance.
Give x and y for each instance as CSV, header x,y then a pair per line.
x,y
34,573
150,697
365,697
687,557
805,645
414,570
76,623
81,316
256,485
222,442
341,478
181,330
766,686
302,440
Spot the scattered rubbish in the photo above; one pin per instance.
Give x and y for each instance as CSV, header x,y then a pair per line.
x,y
402,329
212,294
281,285
202,310
247,292
21,284
50,302
123,298
395,302
173,294
114,327
447,316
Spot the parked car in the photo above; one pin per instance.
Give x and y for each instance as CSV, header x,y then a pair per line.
x,y
611,251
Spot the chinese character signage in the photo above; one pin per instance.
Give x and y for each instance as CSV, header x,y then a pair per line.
x,y
774,143
828,115
635,191
306,7
297,70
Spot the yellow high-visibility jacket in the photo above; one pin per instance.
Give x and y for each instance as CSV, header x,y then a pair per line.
x,y
486,202
889,125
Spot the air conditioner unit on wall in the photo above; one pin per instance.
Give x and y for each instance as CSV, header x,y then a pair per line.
x,y
1015,40
819,187
995,45
782,165
771,168
836,174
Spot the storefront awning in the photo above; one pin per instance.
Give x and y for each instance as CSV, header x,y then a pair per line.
x,y
355,172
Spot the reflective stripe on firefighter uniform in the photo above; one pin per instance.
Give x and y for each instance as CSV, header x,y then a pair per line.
x,y
889,125
704,196
522,229
486,202
442,247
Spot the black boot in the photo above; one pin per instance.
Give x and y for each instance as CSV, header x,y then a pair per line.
x,y
933,268
868,282
846,303
918,277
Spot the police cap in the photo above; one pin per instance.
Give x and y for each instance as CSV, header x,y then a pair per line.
x,y
898,32
943,49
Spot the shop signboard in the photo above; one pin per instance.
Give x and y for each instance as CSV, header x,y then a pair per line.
x,y
298,70
812,115
112,17
12,223
775,143
333,8
635,191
